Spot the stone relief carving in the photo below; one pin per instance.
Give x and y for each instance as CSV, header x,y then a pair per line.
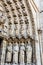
x,y
18,27
23,30
12,29
5,29
2,15
3,22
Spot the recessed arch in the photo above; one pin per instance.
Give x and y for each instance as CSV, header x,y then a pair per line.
x,y
10,11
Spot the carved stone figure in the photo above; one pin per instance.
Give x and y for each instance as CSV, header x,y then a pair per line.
x,y
12,30
29,52
15,53
21,57
9,53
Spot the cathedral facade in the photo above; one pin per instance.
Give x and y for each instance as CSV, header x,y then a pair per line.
x,y
19,33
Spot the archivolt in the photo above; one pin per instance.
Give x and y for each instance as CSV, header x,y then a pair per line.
x,y
17,11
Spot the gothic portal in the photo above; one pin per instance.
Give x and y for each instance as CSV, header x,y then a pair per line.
x,y
18,34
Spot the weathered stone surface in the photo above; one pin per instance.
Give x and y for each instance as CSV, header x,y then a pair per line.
x,y
18,24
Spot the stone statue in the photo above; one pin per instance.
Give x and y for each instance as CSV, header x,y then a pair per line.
x,y
9,53
15,53
29,52
21,57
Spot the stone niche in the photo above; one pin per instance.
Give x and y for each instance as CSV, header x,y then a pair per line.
x,y
1,39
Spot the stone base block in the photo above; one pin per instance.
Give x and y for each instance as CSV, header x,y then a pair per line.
x,y
22,64
15,64
28,64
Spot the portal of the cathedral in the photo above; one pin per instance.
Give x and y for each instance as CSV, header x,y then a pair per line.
x,y
17,33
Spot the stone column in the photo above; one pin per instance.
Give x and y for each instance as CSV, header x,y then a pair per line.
x,y
9,53
29,53
40,43
21,57
3,52
15,53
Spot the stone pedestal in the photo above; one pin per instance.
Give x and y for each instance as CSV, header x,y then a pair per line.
x,y
7,64
15,64
28,64
22,63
